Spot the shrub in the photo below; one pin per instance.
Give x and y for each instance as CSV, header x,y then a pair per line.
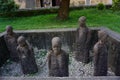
x,y
27,13
8,6
116,5
35,12
100,6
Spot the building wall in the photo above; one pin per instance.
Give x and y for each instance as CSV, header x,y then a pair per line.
x,y
91,2
30,3
37,3
21,3
77,2
98,1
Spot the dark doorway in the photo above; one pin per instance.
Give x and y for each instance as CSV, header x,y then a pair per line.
x,y
53,2
41,3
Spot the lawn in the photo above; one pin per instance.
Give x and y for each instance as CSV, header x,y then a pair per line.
x,y
95,18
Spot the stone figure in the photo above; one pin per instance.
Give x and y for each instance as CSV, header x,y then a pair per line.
x,y
100,55
82,45
26,55
11,41
57,60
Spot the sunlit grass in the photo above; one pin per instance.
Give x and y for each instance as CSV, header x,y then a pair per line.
x,y
95,18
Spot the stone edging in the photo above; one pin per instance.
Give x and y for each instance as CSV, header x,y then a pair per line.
x,y
61,78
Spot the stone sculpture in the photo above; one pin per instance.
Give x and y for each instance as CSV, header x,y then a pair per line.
x,y
100,55
11,41
57,59
83,37
26,55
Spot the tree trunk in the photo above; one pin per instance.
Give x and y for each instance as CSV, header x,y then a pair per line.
x,y
63,12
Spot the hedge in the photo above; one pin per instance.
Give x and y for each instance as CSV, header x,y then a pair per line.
x,y
41,11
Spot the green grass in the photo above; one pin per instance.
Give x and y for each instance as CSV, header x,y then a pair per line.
x,y
95,18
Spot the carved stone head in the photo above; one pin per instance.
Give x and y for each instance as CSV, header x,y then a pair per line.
x,y
102,35
56,45
21,41
82,21
9,30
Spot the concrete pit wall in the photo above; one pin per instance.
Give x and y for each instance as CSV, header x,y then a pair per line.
x,y
4,53
63,78
42,40
114,51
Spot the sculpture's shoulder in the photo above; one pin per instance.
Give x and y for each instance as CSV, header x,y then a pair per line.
x,y
14,35
5,35
96,46
86,29
18,48
64,53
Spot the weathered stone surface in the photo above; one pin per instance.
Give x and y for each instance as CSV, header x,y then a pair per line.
x,y
101,55
63,78
114,55
11,41
113,50
58,60
83,41
68,39
26,56
4,53
42,39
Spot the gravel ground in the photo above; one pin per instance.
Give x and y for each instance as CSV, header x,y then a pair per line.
x,y
76,69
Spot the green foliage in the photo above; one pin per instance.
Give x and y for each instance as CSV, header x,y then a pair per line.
x,y
100,6
35,12
43,53
116,5
9,62
40,53
8,6
27,13
95,18
31,75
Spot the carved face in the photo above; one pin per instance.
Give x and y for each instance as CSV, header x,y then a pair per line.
x,y
21,41
56,45
56,48
102,35
9,30
82,21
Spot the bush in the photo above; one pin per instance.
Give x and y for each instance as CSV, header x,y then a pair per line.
x,y
8,6
100,6
42,11
27,13
116,5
